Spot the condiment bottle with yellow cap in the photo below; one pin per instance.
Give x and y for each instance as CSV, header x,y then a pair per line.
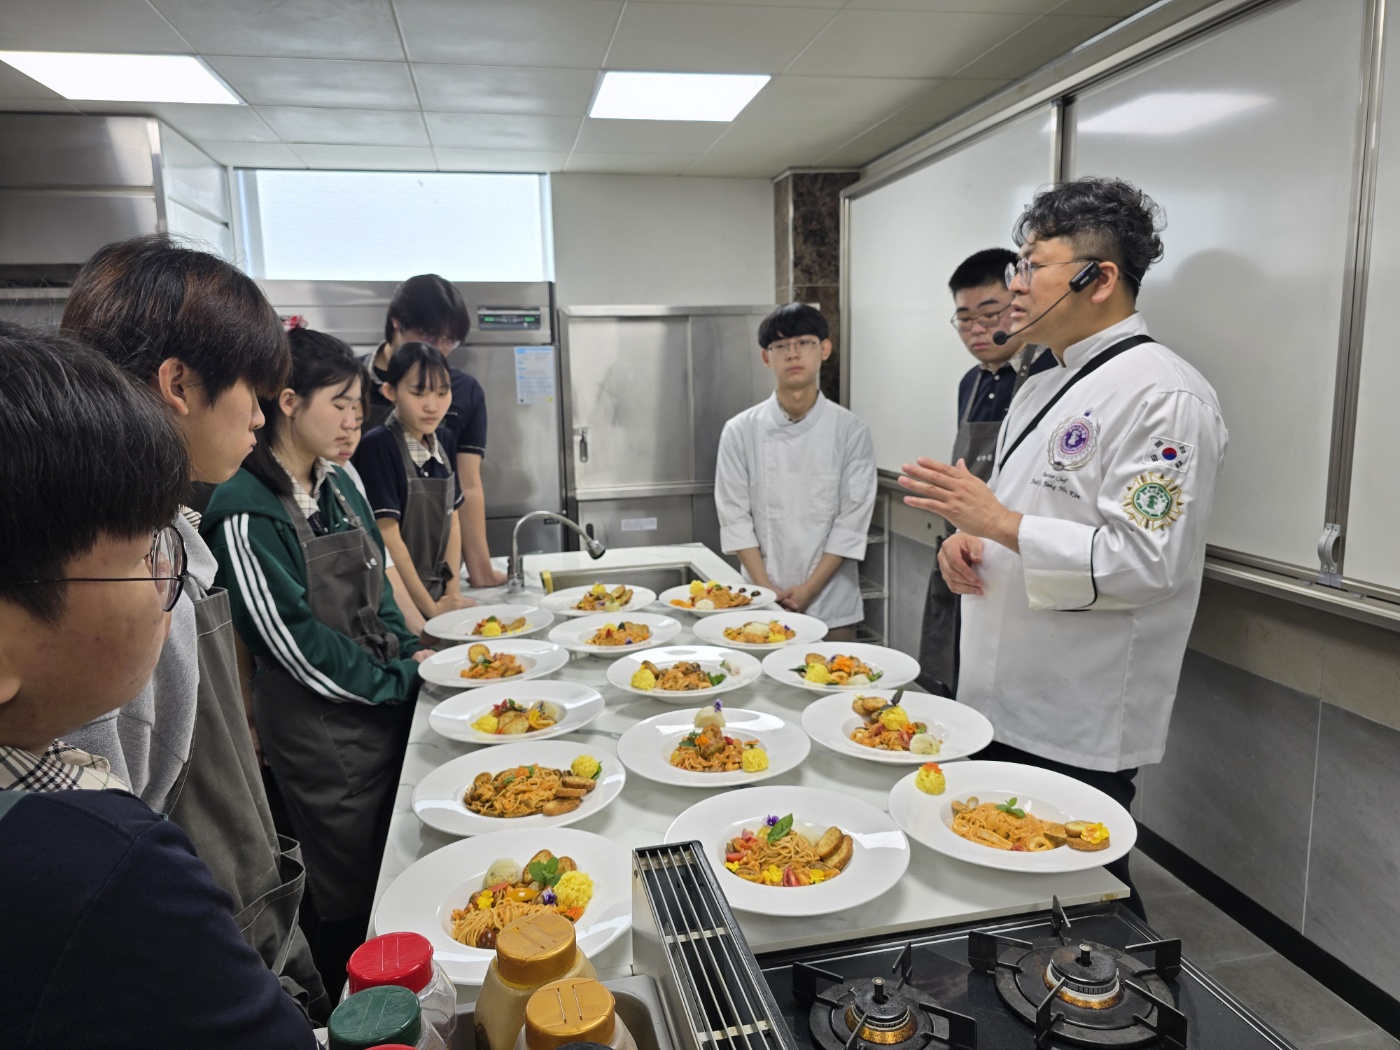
x,y
530,953
577,1009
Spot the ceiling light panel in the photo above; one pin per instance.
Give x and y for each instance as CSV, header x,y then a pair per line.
x,y
123,78
674,96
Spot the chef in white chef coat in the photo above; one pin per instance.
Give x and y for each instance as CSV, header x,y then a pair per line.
x,y
795,480
1081,561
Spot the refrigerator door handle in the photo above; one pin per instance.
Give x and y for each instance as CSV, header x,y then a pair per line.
x,y
582,434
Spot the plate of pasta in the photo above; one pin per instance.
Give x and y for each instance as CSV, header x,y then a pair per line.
x,y
1013,817
440,895
825,667
507,713
760,630
488,663
483,622
684,674
598,598
715,746
795,851
537,785
612,634
919,728
707,598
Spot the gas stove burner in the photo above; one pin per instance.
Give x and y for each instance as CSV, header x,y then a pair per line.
x,y
1084,976
879,1017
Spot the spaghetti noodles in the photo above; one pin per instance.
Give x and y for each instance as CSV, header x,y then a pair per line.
x,y
775,855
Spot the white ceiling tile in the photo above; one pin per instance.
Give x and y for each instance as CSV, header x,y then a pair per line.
x,y
834,4
497,131
223,123
498,160
801,144
1005,7
15,85
1114,8
564,33
505,89
631,163
1042,41
37,105
873,143
820,99
904,43
252,154
648,136
355,127
82,25
713,38
290,28
319,82
948,97
762,165
365,158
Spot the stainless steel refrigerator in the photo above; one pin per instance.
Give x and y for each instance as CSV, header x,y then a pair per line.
x,y
510,351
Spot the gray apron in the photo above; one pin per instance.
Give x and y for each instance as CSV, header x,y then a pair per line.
x,y
976,444
220,803
337,764
426,520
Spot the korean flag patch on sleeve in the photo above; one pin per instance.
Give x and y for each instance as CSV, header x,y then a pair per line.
x,y
1170,453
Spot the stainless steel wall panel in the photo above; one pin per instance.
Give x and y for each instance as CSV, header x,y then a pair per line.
x,y
727,376
40,228
641,521
42,149
910,565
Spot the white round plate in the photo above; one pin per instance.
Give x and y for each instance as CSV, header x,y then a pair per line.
x,y
538,658
710,628
1041,792
438,797
744,670
646,748
575,632
830,721
881,850
457,626
765,598
578,704
422,898
896,668
562,603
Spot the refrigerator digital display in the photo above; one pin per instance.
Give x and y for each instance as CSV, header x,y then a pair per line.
x,y
508,318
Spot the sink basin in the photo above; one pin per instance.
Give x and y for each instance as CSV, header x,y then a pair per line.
x,y
653,577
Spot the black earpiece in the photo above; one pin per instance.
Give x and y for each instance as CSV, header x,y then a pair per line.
x,y
1085,277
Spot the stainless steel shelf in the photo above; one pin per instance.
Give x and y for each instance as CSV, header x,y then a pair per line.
x,y
865,634
875,535
869,589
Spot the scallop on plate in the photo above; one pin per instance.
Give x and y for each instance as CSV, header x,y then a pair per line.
x,y
695,671
846,724
612,634
481,623
824,667
449,667
695,748
708,599
520,712
769,629
598,598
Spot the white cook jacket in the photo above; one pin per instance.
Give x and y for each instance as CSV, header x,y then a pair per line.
x,y
1075,649
796,491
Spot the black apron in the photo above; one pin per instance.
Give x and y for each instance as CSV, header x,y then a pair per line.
x,y
336,763
220,803
976,444
425,522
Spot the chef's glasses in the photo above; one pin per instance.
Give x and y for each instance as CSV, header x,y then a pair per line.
x,y
167,563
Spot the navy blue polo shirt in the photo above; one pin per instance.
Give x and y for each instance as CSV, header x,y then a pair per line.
x,y
994,389
466,416
384,470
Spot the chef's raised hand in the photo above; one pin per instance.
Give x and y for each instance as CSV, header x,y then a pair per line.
x,y
958,558
960,498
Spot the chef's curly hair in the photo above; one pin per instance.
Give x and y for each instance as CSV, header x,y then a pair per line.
x,y
1108,220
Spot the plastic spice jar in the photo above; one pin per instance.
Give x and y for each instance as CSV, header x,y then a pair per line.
x,y
381,1015
406,960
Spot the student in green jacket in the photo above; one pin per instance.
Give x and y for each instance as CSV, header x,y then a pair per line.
x,y
336,667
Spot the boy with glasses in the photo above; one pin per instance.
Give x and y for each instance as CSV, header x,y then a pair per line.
x,y
981,301
114,929
795,480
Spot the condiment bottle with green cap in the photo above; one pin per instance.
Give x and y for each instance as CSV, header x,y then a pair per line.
x,y
578,1009
530,953
377,1016
406,959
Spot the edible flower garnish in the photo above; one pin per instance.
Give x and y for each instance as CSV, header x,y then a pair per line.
x,y
719,705
1009,807
548,897
780,828
770,820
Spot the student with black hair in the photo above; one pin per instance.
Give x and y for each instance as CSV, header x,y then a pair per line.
x,y
429,309
197,333
795,480
406,467
980,304
303,562
115,930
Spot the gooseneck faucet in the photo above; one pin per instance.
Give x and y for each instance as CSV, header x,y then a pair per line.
x,y
515,569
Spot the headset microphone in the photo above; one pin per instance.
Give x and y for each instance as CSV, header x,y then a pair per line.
x,y
1077,283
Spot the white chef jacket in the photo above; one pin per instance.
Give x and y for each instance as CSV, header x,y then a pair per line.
x,y
797,490
1075,648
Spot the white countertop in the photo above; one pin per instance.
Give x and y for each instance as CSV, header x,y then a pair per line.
x,y
936,890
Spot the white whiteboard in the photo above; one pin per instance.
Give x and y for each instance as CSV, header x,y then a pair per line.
x,y
1247,140
1371,552
906,239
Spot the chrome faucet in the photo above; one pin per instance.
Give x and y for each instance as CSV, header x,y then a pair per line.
x,y
515,569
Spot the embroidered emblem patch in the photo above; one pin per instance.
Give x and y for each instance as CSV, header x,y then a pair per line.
x,y
1073,443
1167,452
1153,501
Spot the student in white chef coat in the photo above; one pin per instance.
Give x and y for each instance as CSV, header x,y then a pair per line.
x,y
1080,563
795,481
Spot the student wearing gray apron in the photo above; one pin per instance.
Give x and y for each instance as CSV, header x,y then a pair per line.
x,y
426,525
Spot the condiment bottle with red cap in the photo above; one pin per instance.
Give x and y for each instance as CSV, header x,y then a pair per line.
x,y
406,960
